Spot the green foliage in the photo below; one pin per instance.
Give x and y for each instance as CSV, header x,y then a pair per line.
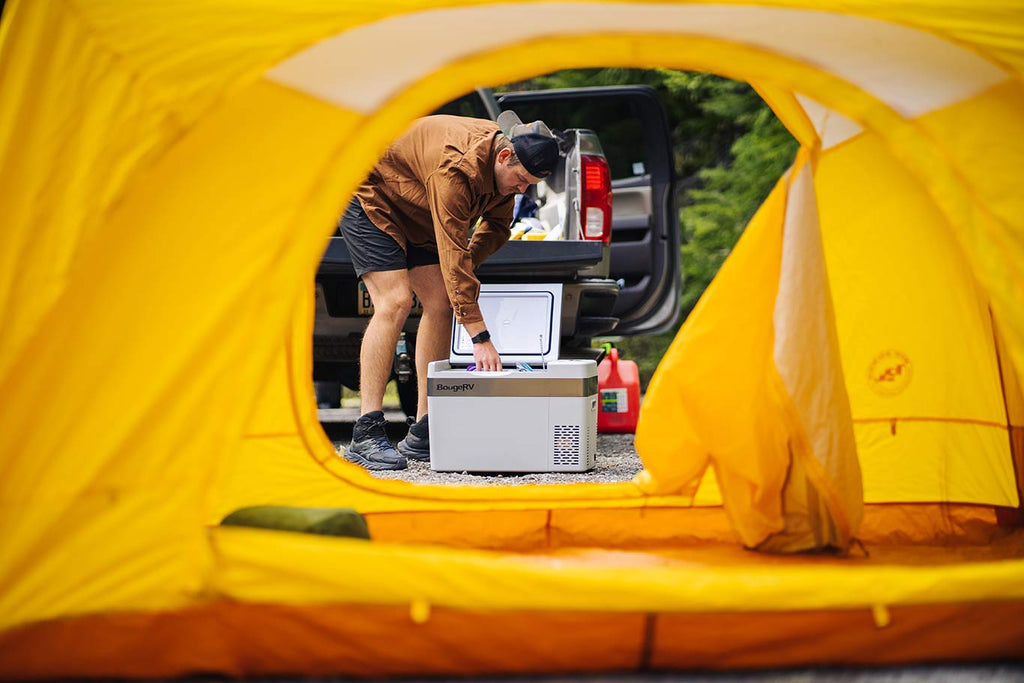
x,y
729,151
715,212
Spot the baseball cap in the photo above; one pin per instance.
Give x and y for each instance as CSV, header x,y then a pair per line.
x,y
536,146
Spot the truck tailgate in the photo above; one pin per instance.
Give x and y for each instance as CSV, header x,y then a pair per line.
x,y
561,259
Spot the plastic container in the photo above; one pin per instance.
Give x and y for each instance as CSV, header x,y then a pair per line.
x,y
618,385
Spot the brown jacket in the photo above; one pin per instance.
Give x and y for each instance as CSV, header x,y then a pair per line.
x,y
429,189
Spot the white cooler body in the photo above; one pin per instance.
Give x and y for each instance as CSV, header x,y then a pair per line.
x,y
513,421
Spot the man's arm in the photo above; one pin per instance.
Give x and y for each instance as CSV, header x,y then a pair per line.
x,y
493,231
448,198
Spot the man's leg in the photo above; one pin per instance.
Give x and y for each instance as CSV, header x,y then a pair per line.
x,y
392,300
434,334
432,341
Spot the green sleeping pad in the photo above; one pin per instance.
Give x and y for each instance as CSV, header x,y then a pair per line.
x,y
324,521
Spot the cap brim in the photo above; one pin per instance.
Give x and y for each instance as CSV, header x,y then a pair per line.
x,y
508,121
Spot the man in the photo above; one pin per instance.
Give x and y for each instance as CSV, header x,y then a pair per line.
x,y
408,230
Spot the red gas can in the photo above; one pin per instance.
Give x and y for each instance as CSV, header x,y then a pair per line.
x,y
618,382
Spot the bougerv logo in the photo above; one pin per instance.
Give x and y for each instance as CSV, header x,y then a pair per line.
x,y
890,373
456,388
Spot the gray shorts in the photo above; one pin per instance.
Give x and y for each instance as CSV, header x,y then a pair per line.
x,y
373,250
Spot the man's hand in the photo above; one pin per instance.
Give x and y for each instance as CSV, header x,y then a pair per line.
x,y
486,356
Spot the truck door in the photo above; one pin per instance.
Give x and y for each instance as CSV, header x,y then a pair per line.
x,y
632,126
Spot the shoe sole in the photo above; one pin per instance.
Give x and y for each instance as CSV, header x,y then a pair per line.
x,y
412,453
375,465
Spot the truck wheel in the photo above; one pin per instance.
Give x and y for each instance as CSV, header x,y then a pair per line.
x,y
328,394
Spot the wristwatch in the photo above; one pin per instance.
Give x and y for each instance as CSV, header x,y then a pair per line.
x,y
481,338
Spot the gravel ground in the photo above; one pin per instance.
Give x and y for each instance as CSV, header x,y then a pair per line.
x,y
617,460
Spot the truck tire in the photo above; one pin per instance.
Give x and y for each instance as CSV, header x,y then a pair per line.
x,y
328,394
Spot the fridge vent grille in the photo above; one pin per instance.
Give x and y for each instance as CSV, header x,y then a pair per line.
x,y
566,447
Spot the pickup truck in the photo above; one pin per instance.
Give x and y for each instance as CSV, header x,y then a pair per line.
x,y
608,218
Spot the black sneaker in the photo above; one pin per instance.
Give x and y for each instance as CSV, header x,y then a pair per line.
x,y
416,444
370,446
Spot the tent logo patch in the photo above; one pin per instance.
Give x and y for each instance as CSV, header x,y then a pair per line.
x,y
889,373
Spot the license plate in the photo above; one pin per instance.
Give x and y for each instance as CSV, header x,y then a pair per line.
x,y
365,307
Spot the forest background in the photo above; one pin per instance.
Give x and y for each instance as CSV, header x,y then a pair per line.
x,y
729,151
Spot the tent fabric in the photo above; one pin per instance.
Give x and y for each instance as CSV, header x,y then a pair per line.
x,y
774,367
169,174
321,640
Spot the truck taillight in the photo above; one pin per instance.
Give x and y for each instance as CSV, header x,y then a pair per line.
x,y
596,199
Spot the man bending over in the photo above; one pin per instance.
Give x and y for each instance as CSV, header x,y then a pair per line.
x,y
408,230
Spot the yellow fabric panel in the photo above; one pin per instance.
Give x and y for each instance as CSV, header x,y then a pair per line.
x,y
715,376
936,461
917,335
993,28
274,413
192,53
74,126
983,139
262,566
988,243
139,428
708,492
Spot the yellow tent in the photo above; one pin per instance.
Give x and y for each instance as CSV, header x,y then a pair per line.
x,y
169,173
